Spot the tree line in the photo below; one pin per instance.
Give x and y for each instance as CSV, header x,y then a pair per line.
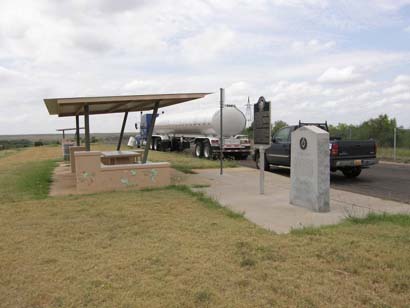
x,y
380,129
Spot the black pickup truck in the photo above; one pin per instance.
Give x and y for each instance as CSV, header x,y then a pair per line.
x,y
348,156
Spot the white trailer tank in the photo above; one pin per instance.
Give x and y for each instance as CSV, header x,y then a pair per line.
x,y
201,122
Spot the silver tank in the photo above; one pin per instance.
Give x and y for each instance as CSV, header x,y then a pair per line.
x,y
201,122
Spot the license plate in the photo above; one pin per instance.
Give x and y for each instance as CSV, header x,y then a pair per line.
x,y
357,162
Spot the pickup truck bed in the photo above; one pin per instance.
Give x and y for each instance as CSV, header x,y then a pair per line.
x,y
348,156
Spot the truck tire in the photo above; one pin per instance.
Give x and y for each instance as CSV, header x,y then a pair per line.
x,y
351,173
207,150
267,168
244,156
155,144
199,150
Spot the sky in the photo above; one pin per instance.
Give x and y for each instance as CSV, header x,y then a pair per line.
x,y
315,60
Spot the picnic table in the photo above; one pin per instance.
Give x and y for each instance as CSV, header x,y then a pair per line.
x,y
120,157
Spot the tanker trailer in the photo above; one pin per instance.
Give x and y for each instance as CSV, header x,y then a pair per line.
x,y
200,130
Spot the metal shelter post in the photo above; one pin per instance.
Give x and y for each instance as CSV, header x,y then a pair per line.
x,y
124,121
77,129
87,127
150,131
63,134
221,140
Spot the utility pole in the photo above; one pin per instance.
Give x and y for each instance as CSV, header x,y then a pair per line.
x,y
248,113
221,140
395,143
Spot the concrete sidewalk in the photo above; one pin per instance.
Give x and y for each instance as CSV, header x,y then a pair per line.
x,y
238,189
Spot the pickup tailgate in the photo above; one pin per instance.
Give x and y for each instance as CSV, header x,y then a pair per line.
x,y
351,149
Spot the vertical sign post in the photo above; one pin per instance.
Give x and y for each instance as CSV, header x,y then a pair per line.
x,y
262,135
394,143
221,138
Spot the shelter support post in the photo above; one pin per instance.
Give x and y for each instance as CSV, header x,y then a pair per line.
x,y
77,129
63,134
87,127
150,131
124,121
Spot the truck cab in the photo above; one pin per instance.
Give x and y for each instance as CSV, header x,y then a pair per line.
x,y
348,156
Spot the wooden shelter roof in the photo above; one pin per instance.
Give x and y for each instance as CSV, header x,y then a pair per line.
x,y
65,107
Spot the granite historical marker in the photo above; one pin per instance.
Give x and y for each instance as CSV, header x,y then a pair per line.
x,y
310,170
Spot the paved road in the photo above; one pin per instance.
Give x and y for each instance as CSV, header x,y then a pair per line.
x,y
386,181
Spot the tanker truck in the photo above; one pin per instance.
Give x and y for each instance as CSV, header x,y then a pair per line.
x,y
200,131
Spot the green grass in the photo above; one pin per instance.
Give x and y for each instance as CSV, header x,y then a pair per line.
x,y
185,162
373,218
28,181
173,247
402,220
402,154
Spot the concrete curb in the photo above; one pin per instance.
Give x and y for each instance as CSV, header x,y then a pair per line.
x,y
386,162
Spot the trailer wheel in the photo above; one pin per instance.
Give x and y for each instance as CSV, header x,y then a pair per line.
x,y
208,151
155,145
199,150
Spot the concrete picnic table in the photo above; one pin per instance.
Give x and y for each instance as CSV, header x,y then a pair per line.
x,y
120,157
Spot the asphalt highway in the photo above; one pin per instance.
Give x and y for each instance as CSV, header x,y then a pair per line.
x,y
385,180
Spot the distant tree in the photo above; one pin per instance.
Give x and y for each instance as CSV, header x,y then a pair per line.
x,y
38,143
248,131
381,129
278,125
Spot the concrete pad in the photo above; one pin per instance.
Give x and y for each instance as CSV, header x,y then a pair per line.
x,y
238,189
63,181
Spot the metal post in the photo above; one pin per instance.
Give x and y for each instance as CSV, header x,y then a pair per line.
x,y
221,138
150,131
87,127
77,129
124,121
63,134
395,143
350,133
261,170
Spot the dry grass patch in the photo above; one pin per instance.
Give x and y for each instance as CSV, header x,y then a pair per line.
x,y
175,248
168,248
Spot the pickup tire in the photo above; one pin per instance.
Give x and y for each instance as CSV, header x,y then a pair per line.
x,y
352,172
267,168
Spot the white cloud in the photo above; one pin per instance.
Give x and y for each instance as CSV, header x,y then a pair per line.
x,y
274,48
140,86
340,75
397,88
208,45
312,46
402,79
